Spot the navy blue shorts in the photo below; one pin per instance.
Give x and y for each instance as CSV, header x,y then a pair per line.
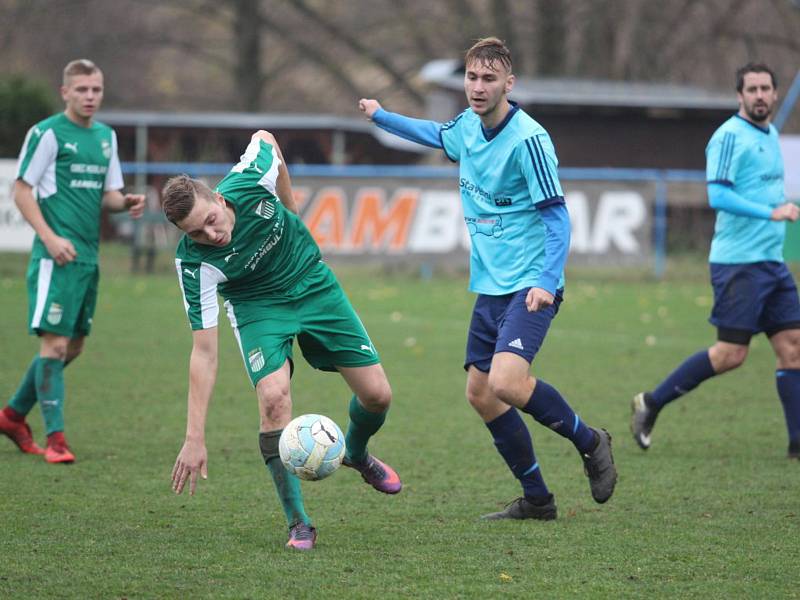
x,y
503,324
751,298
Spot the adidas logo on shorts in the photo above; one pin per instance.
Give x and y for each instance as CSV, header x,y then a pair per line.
x,y
517,343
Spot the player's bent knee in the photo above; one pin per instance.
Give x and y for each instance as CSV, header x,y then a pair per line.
x,y
505,389
731,361
378,399
54,348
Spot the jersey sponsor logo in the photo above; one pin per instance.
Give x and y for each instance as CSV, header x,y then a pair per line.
x,y
256,359
86,184
90,169
256,168
265,247
55,313
502,201
473,189
106,146
368,348
517,343
265,209
556,426
190,273
230,256
37,132
71,146
491,227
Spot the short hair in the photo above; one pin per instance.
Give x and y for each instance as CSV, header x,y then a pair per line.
x,y
488,51
178,196
753,68
81,66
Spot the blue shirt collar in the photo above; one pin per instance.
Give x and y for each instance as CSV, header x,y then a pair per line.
x,y
492,133
761,129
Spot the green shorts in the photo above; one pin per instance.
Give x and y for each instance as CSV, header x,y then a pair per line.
x,y
61,300
317,312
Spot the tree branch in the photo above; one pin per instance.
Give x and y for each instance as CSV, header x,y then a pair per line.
x,y
357,46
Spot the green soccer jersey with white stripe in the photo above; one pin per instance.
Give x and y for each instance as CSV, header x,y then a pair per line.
x,y
71,168
269,252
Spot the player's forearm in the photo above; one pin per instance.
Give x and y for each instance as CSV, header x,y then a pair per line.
x,y
202,375
415,130
722,197
29,208
556,245
114,201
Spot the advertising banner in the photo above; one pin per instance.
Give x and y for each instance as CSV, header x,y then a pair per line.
x,y
403,219
15,233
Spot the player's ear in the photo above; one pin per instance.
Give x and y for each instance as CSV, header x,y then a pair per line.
x,y
219,199
510,83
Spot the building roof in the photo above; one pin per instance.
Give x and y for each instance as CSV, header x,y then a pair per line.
x,y
233,120
253,121
449,74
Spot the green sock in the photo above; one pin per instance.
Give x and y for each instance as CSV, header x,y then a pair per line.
x,y
286,484
363,425
50,392
25,397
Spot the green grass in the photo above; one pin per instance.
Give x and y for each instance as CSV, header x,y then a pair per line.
x,y
710,511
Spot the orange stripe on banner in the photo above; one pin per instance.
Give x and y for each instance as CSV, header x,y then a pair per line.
x,y
377,227
326,218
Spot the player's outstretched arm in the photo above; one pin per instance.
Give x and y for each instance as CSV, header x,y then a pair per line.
x,y
61,249
193,459
420,131
283,184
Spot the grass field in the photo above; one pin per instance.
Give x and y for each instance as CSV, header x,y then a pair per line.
x,y
711,510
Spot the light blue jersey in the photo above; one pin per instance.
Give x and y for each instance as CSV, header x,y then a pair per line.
x,y
747,158
506,175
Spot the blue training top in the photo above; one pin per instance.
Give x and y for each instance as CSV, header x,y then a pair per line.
x,y
512,199
746,159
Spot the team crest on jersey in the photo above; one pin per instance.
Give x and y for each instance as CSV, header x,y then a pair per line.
x,y
265,209
55,313
106,148
256,360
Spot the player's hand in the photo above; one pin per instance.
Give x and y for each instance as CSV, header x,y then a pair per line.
x,y
786,212
192,460
61,249
368,106
135,205
538,298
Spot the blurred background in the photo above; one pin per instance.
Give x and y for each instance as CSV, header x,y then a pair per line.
x,y
630,91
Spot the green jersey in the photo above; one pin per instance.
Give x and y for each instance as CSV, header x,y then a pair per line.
x,y
71,168
269,252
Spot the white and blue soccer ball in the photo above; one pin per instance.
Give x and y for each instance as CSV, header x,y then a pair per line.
x,y
311,446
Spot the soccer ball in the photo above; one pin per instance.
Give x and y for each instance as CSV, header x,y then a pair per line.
x,y
311,447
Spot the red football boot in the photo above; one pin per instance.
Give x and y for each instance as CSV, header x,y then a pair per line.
x,y
18,431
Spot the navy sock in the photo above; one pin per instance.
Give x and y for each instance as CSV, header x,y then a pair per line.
x,y
513,441
788,383
550,409
691,373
